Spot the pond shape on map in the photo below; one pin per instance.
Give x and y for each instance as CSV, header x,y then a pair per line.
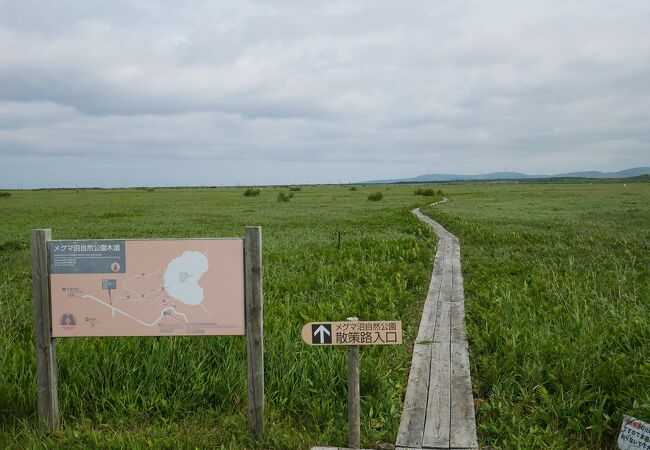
x,y
182,276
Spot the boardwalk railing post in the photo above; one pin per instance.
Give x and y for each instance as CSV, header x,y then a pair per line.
x,y
48,397
254,328
354,407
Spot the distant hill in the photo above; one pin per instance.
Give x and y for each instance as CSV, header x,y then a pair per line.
x,y
635,172
431,177
640,178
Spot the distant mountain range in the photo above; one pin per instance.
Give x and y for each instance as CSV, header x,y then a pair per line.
x,y
635,172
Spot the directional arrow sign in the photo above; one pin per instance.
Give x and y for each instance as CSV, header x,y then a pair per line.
x,y
373,332
321,333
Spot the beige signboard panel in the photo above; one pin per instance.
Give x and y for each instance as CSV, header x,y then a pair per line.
x,y
373,332
147,287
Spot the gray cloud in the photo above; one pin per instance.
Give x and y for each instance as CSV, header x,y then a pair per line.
x,y
362,90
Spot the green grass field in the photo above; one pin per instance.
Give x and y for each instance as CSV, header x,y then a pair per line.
x,y
557,297
557,282
173,391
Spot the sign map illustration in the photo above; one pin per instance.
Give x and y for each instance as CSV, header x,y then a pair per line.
x,y
147,287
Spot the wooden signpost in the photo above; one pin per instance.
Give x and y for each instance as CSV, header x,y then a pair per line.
x,y
147,288
353,333
46,384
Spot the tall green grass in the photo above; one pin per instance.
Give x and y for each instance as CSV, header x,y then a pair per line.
x,y
557,281
557,286
172,392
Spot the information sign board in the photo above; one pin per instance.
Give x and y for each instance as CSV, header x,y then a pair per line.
x,y
374,332
634,435
147,287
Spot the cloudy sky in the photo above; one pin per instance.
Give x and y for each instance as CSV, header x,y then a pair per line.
x,y
126,92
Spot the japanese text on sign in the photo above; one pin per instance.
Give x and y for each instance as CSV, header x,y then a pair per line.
x,y
353,333
87,257
635,434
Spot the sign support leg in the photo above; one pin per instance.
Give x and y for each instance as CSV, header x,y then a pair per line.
x,y
354,395
254,328
47,389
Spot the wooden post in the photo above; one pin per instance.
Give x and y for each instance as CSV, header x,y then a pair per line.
x,y
354,407
48,397
254,328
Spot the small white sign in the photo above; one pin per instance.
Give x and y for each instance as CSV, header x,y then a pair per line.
x,y
635,434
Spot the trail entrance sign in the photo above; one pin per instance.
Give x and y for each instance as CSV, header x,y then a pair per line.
x,y
147,288
373,332
353,333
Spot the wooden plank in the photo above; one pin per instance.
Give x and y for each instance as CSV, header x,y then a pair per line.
x,y
437,424
253,273
46,376
411,426
457,314
463,432
437,263
443,323
458,291
428,320
448,263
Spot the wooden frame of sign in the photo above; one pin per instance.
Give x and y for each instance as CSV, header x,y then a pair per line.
x,y
96,268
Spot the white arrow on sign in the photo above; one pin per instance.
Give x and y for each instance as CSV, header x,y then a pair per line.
x,y
322,330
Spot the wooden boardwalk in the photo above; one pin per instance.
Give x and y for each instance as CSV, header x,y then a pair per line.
x,y
438,406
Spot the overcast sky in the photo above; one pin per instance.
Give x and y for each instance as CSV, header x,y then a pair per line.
x,y
126,92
